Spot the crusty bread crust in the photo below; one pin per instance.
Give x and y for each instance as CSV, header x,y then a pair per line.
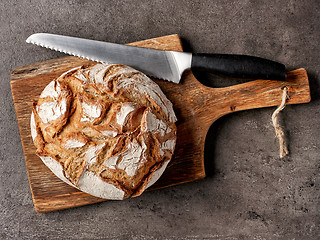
x,y
106,129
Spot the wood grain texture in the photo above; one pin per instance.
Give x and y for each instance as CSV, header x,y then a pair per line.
x,y
196,107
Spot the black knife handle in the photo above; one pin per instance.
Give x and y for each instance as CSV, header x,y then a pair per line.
x,y
239,66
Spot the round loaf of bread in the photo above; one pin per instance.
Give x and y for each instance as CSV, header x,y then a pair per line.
x,y
106,129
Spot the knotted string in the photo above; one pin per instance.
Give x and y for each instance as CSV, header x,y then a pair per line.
x,y
279,133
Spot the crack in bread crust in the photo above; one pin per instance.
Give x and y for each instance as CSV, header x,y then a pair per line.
x,y
109,127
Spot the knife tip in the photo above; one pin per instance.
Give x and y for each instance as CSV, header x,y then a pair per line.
x,y
33,36
29,39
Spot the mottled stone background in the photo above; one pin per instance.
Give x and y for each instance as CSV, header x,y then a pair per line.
x,y
250,193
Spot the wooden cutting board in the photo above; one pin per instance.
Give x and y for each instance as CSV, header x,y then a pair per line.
x,y
196,107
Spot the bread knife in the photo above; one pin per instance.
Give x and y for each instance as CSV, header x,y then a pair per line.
x,y
167,65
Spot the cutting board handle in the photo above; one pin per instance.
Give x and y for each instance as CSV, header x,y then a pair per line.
x,y
254,94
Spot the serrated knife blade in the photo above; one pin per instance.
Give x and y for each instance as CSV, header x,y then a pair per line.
x,y
167,65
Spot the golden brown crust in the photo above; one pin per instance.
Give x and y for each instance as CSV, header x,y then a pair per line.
x,y
105,123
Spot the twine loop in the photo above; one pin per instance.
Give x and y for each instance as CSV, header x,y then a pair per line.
x,y
279,132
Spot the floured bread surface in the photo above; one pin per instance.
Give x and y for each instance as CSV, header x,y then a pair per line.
x,y
107,130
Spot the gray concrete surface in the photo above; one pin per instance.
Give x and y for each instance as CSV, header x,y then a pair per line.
x,y
250,193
